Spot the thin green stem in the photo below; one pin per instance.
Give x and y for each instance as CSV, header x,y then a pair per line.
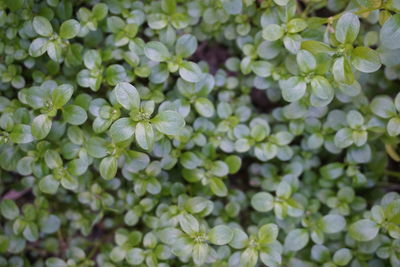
x,y
392,173
358,12
362,11
94,250
306,11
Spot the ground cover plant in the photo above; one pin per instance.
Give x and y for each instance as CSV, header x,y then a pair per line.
x,y
219,133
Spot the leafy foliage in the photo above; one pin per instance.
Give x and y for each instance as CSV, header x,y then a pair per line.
x,y
199,133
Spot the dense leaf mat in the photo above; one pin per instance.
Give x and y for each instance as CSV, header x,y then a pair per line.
x,y
222,133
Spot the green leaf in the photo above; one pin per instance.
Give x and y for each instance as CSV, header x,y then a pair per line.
x,y
179,20
219,168
186,45
115,73
117,254
55,262
342,256
69,182
14,5
122,130
332,170
132,217
168,6
321,88
284,190
92,59
320,253
135,256
53,159
200,253
49,185
108,167
271,257
74,114
42,26
378,214
262,68
41,126
249,257
85,80
397,102
306,61
233,7
190,71
383,107
354,119
365,59
220,235
296,25
234,163
169,235
183,247
268,233
21,134
157,21
69,29
267,50
38,47
292,42
61,95
204,107
4,242
296,240
344,138
393,126
100,11
347,28
245,65
9,209
392,211
239,239
316,47
189,224
168,122
31,232
218,187
293,89
97,147
190,160
332,223
197,204
390,32
262,202
364,230
78,166
156,51
50,224
144,135
281,2
273,32
54,51
24,166
342,71
127,96
192,175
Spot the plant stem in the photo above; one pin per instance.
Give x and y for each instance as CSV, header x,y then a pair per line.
x,y
93,250
392,173
362,11
358,12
